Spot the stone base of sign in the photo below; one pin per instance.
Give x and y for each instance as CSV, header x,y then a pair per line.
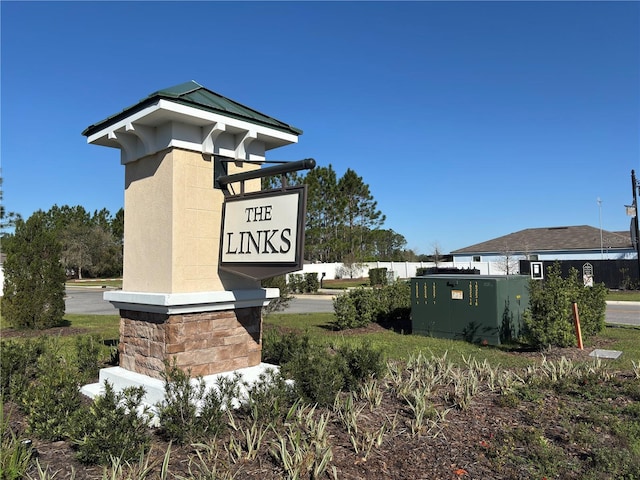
x,y
202,333
201,343
209,334
120,379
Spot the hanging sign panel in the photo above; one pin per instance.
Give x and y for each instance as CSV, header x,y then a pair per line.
x,y
263,233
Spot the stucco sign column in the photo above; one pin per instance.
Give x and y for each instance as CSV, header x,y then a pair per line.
x,y
176,301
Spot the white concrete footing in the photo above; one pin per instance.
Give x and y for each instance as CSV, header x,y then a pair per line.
x,y
120,379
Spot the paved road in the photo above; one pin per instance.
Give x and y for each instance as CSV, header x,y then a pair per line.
x,y
625,313
89,301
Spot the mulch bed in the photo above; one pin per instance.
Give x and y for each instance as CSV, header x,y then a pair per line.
x,y
460,449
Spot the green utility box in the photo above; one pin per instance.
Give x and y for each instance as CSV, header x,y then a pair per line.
x,y
477,308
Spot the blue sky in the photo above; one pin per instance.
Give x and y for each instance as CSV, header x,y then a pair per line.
x,y
468,120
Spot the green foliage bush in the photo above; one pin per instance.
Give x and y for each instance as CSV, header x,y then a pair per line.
x,y
356,308
19,365
114,426
319,374
87,357
296,283
361,306
269,397
304,283
394,302
377,277
311,283
34,277
549,319
362,362
51,399
279,349
189,412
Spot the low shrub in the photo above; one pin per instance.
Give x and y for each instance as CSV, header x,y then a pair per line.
x,y
361,306
51,399
115,426
303,283
269,397
356,308
19,365
279,349
362,362
377,277
549,319
296,283
189,412
394,302
87,357
319,374
311,283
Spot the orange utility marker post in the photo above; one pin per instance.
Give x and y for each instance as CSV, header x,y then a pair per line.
x,y
576,321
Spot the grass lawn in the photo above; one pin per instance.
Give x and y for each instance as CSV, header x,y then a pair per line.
x,y
400,346
95,282
624,295
395,345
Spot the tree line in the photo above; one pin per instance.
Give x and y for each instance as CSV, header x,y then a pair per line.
x,y
89,244
343,224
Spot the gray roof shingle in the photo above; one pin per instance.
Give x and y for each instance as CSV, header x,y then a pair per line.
x,y
581,237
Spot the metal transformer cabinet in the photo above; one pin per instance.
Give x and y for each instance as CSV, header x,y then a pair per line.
x,y
475,308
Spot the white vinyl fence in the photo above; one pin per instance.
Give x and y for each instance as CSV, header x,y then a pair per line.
x,y
399,270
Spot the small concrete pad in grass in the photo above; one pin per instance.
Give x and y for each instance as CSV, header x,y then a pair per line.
x,y
599,353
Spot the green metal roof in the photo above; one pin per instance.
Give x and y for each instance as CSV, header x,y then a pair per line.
x,y
195,95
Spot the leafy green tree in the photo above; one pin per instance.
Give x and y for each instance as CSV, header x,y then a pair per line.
x,y
34,277
117,226
387,245
91,243
76,253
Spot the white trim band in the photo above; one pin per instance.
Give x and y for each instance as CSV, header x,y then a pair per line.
x,y
193,302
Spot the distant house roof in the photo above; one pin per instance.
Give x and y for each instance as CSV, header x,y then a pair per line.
x,y
195,95
582,237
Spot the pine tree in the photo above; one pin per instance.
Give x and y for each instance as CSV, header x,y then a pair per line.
x,y
34,277
360,214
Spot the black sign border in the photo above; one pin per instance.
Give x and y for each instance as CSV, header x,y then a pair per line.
x,y
260,271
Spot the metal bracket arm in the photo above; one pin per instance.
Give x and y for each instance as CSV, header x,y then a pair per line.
x,y
221,181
